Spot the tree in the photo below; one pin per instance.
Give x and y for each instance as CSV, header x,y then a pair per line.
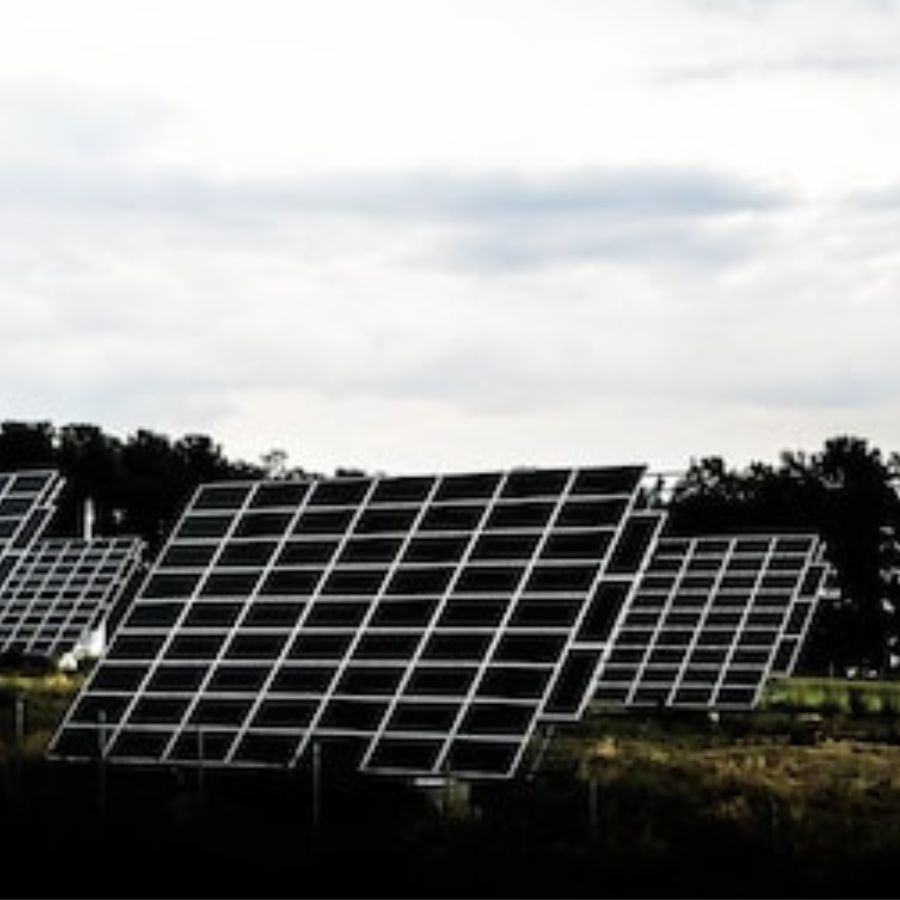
x,y
138,485
847,494
28,444
91,463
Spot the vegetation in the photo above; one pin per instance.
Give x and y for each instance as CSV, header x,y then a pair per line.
x,y
40,701
622,806
877,698
848,494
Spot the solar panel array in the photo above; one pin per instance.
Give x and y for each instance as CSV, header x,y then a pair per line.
x,y
53,592
428,623
62,590
711,619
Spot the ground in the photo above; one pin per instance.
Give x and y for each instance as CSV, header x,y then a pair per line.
x,y
785,802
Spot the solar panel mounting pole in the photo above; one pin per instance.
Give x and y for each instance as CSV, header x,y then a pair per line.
x,y
20,724
20,734
101,768
201,756
316,785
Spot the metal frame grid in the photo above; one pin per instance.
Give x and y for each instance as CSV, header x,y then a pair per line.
x,y
711,619
62,590
427,624
26,505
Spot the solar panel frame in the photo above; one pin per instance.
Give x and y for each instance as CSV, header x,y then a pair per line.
x,y
333,519
667,590
66,588
36,491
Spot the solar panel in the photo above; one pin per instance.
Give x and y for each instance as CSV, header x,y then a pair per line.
x,y
427,624
712,619
26,506
61,591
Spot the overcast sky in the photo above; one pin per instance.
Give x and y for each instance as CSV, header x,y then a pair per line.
x,y
420,235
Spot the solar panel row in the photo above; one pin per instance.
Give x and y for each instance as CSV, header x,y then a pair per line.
x,y
711,619
53,593
427,625
26,507
61,590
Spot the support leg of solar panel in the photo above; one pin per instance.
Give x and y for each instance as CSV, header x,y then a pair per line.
x,y
316,786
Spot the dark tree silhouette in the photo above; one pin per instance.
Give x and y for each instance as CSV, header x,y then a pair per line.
x,y
26,444
138,485
847,494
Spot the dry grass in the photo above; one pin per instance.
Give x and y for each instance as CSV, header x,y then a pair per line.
x,y
833,803
45,700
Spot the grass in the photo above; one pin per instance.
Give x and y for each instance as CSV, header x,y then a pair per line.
x,y
623,805
44,699
831,695
739,811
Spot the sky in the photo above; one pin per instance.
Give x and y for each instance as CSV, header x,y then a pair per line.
x,y
418,235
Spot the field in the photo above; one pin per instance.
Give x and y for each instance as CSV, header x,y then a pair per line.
x,y
801,799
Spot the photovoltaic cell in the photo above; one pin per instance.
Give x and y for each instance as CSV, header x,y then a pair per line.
x,y
430,623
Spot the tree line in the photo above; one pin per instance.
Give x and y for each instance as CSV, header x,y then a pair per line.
x,y
138,485
847,492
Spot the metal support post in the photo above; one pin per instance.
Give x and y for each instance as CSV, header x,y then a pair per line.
x,y
201,759
101,764
316,786
592,805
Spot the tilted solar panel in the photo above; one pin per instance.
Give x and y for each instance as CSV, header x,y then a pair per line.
x,y
712,619
425,623
26,506
62,590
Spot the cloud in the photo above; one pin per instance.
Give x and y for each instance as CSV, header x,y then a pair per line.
x,y
490,220
883,199
630,240
423,195
56,124
837,64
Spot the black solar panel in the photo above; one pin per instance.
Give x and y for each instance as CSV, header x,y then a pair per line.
x,y
427,624
60,591
53,593
26,506
712,619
